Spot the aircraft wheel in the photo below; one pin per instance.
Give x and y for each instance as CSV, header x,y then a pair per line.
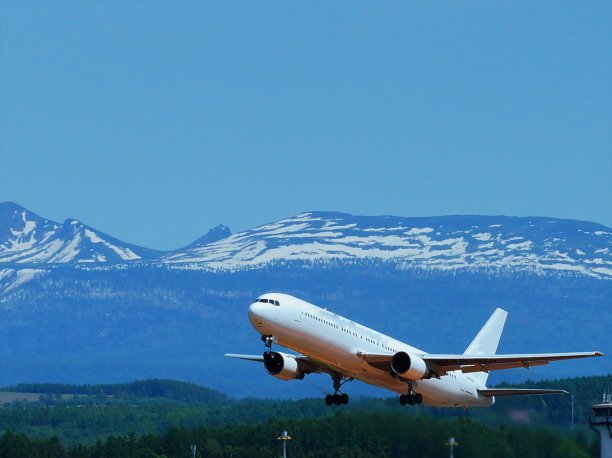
x,y
411,399
403,399
345,398
418,398
329,400
337,399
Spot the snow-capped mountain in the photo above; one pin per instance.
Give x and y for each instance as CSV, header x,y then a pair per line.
x,y
26,238
445,243
487,243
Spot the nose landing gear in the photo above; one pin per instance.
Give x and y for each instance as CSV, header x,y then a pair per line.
x,y
268,341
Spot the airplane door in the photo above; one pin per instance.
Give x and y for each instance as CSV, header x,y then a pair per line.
x,y
297,312
468,386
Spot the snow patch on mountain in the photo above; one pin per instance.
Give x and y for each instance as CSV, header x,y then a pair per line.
x,y
123,252
445,243
11,279
27,238
23,276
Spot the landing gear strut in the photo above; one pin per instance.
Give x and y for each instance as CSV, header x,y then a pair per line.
x,y
338,398
268,341
411,398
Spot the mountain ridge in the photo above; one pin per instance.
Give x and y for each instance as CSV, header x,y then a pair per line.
x,y
26,237
446,242
452,242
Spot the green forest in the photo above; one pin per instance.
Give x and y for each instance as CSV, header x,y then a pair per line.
x,y
155,418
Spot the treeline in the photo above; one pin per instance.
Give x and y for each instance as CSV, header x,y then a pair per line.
x,y
379,435
151,408
74,422
155,388
557,409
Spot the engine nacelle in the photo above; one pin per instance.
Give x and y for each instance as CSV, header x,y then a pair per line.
x,y
407,366
282,365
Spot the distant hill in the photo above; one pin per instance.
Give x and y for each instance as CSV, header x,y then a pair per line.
x,y
141,389
79,306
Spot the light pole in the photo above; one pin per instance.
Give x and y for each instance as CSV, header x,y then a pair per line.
x,y
452,444
572,411
284,437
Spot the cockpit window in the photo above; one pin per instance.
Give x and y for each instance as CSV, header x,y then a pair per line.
x,y
268,301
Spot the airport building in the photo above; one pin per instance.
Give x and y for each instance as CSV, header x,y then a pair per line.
x,y
601,421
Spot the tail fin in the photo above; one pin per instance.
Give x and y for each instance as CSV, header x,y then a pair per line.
x,y
487,340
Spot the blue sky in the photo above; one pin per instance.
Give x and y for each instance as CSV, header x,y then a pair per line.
x,y
153,121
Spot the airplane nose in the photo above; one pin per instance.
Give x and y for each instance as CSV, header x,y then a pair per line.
x,y
256,311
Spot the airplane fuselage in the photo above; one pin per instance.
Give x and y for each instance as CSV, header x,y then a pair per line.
x,y
337,342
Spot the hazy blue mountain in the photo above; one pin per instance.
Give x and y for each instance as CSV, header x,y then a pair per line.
x,y
213,235
432,282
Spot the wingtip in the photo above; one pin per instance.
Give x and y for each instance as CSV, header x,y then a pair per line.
x,y
598,353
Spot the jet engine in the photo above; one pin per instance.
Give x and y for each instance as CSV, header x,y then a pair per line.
x,y
282,365
410,367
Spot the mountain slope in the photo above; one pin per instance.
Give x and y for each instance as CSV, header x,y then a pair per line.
x,y
446,243
25,237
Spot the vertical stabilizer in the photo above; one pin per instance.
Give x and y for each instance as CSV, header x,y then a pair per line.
x,y
487,340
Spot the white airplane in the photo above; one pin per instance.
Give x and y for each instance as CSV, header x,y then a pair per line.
x,y
329,343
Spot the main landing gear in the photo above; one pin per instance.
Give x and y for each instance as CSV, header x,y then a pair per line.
x,y
411,398
338,398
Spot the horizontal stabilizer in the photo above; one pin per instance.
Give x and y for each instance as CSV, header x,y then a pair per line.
x,y
517,392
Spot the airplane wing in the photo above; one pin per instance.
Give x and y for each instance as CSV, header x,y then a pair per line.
x,y
517,391
441,364
307,365
258,358
480,363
